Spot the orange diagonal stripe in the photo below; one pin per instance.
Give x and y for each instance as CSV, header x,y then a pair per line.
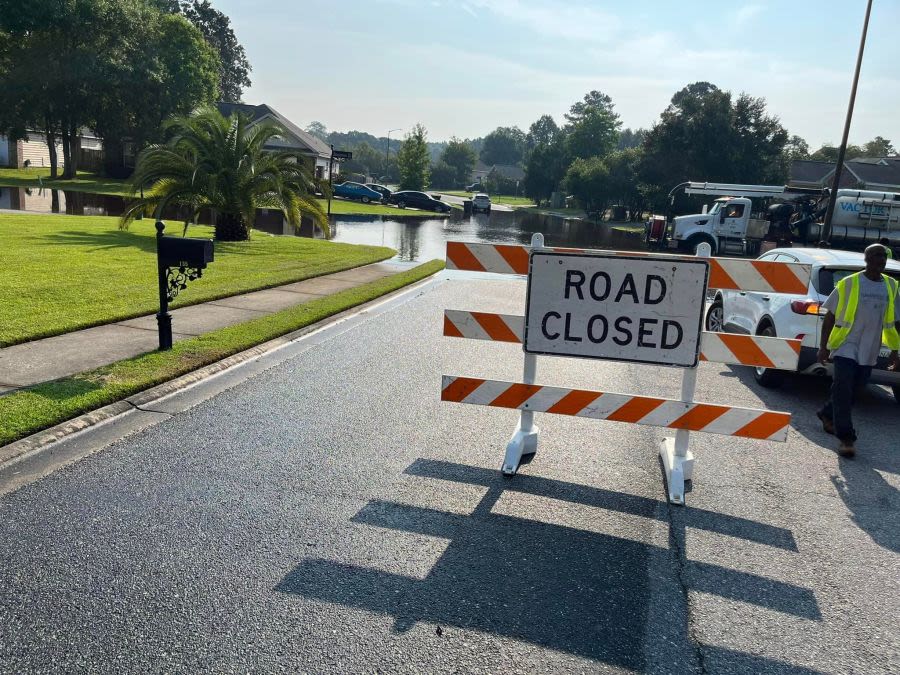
x,y
745,349
462,258
459,388
635,410
450,329
699,416
495,327
574,402
516,395
515,256
780,277
764,426
719,278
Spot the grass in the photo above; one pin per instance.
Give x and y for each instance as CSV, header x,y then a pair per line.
x,y
83,182
508,200
29,411
62,273
88,182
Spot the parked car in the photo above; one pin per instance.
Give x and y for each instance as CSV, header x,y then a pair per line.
x,y
351,190
481,202
380,189
418,200
796,316
474,187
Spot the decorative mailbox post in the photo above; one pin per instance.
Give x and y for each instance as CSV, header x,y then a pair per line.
x,y
178,260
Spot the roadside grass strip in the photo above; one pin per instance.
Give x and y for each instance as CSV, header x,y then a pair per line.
x,y
65,273
29,411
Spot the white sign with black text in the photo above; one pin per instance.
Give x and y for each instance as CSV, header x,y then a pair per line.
x,y
622,308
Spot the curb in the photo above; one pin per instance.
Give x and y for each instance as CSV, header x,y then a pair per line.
x,y
30,445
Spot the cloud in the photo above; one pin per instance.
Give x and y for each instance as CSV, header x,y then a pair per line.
x,y
747,13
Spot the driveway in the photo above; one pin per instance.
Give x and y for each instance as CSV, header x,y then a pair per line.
x,y
454,199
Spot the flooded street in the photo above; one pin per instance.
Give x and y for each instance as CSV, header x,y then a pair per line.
x,y
415,238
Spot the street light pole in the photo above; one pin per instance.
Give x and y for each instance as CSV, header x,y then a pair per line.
x,y
387,152
838,169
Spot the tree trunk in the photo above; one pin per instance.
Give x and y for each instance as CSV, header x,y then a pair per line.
x,y
231,227
51,146
71,168
67,154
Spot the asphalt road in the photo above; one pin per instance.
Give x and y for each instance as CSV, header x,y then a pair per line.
x,y
331,515
455,199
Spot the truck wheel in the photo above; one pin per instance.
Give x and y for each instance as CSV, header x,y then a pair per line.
x,y
768,377
896,389
715,317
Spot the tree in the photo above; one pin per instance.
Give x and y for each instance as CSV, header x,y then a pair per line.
x,y
588,180
623,184
545,169
629,138
219,163
234,68
593,129
796,148
460,157
542,131
318,130
706,135
412,159
443,176
171,72
504,145
879,147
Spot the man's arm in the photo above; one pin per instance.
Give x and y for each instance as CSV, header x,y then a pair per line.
x,y
827,325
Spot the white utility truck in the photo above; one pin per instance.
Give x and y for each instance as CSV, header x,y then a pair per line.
x,y
731,227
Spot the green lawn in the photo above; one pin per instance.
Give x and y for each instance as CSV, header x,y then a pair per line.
x,y
88,182
62,273
29,411
83,182
496,199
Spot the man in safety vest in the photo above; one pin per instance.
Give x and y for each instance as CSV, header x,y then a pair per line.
x,y
863,313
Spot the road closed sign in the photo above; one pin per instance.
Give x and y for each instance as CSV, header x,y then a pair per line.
x,y
648,310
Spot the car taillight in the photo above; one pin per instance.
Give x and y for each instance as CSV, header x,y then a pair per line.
x,y
805,307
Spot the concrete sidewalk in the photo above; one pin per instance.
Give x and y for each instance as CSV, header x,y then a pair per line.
x,y
63,355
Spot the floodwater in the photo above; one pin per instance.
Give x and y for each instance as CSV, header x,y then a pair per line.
x,y
415,238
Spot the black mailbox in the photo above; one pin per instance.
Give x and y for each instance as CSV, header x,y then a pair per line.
x,y
184,252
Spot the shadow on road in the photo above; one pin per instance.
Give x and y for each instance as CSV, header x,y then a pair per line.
x,y
567,589
861,483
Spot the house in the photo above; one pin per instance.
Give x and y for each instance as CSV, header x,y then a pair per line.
x,y
867,173
33,150
506,172
480,172
295,139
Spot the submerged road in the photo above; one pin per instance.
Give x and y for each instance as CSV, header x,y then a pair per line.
x,y
330,514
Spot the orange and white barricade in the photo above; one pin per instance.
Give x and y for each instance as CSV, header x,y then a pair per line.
x,y
684,415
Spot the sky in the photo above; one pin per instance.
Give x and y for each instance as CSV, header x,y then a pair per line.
x,y
462,68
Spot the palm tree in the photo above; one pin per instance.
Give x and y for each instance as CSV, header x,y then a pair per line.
x,y
220,163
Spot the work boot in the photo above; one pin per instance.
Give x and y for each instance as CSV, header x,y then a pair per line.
x,y
847,449
827,424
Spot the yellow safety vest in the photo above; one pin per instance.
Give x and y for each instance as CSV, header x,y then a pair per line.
x,y
848,301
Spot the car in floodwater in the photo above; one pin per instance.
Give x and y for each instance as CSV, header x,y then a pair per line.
x,y
481,202
418,200
351,190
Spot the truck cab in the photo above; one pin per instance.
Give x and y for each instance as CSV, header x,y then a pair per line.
x,y
727,227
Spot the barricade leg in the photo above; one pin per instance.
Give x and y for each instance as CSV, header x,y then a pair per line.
x,y
525,438
678,460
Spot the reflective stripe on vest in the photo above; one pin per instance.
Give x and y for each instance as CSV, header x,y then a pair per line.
x,y
848,301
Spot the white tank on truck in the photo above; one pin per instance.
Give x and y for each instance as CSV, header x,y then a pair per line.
x,y
732,227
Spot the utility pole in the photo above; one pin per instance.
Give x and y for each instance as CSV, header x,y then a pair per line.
x,y
387,152
330,183
838,169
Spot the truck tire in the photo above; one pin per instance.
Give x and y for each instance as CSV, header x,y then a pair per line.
x,y
694,242
768,377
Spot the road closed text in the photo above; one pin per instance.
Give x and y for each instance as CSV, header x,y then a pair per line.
x,y
611,307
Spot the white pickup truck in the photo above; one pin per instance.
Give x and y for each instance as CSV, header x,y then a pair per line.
x,y
796,316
